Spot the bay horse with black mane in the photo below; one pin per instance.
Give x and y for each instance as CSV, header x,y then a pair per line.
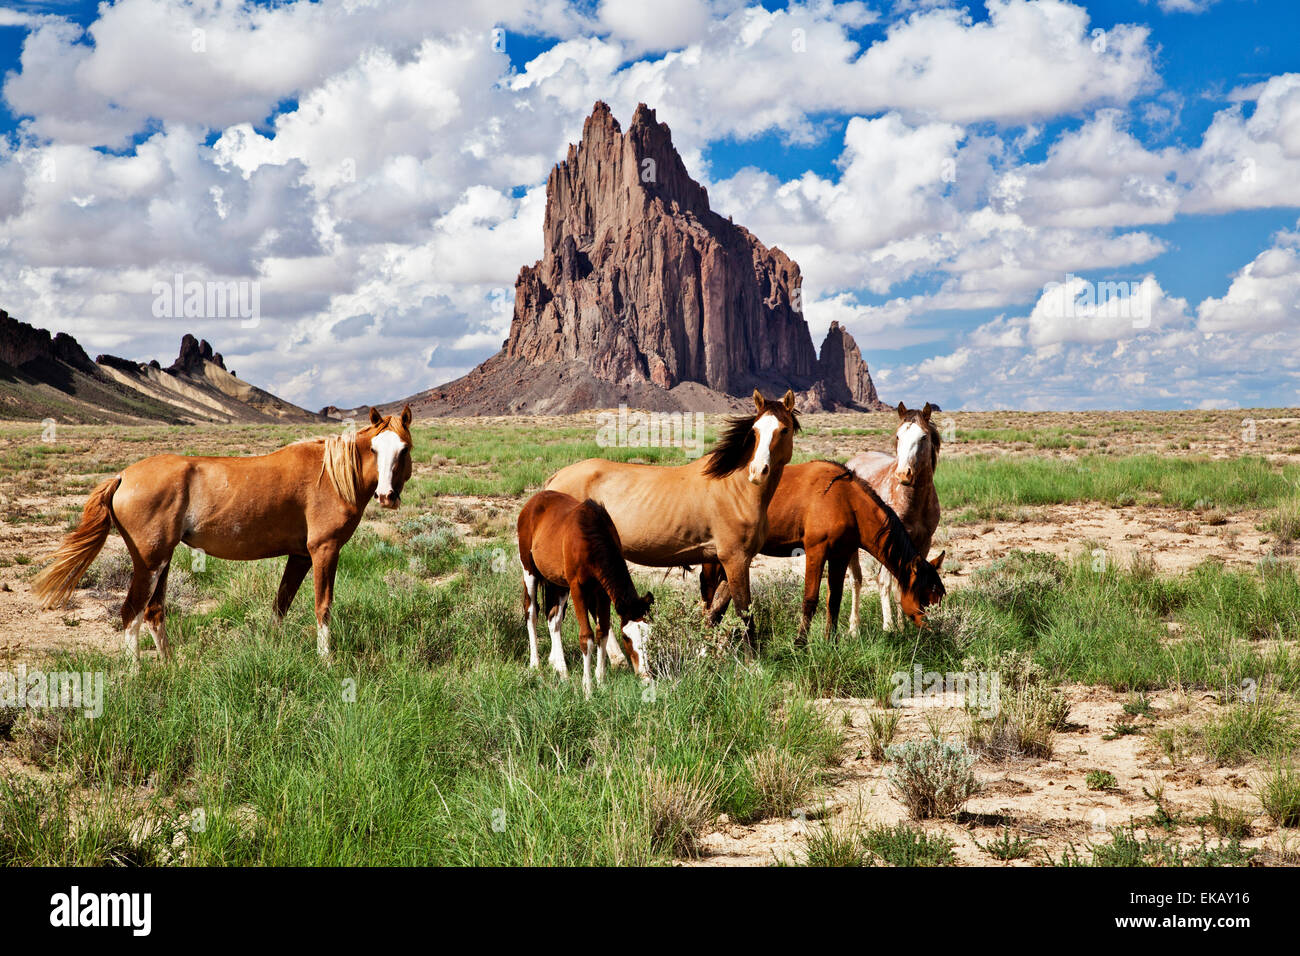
x,y
711,509
303,501
570,549
821,509
905,480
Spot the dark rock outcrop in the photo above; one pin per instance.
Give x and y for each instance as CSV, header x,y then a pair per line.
x,y
642,289
845,379
194,352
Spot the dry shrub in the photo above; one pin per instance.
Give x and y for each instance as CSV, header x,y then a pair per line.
x,y
680,806
1029,712
882,725
931,777
781,780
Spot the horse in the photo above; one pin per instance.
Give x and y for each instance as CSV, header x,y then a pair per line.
x,y
303,501
571,549
821,509
712,508
905,481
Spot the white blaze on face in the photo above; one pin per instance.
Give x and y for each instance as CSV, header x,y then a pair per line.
x,y
764,430
638,632
911,438
387,446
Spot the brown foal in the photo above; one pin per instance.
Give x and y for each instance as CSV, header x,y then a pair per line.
x,y
571,549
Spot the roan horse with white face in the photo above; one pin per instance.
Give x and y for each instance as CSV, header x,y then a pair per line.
x,y
303,501
712,509
905,481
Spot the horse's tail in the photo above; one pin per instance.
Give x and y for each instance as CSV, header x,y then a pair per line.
x,y
55,584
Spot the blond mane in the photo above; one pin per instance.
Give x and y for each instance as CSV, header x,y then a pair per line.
x,y
342,463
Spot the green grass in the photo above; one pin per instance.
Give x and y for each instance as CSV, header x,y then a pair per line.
x,y
902,845
980,487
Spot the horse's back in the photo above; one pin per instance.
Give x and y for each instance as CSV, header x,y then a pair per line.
x,y
871,466
663,514
231,507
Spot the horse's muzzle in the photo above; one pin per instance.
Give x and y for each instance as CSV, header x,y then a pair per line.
x,y
388,501
904,477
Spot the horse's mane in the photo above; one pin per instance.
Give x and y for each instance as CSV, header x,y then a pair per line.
x,y
735,446
892,537
606,553
341,462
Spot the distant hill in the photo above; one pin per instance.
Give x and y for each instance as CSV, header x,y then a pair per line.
x,y
44,376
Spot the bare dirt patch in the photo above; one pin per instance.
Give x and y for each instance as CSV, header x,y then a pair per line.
x,y
1048,801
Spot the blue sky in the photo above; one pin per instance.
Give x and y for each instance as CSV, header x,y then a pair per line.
x,y
941,172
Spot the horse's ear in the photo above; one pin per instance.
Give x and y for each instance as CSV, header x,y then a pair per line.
x,y
788,400
902,410
758,400
375,418
406,416
937,563
925,412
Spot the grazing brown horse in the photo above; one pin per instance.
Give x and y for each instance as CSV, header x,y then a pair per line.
x,y
304,501
571,549
711,509
820,509
905,481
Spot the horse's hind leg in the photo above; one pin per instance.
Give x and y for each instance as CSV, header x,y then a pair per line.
x,y
138,593
295,569
156,611
530,612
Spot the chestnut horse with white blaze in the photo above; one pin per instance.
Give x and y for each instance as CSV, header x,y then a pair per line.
x,y
303,501
905,480
713,509
570,549
821,509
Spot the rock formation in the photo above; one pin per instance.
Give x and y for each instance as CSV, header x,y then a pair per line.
x,y
644,295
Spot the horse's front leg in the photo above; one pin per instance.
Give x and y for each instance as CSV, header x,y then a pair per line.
x,y
813,560
855,586
737,571
324,563
885,585
295,569
714,592
835,569
606,637
586,640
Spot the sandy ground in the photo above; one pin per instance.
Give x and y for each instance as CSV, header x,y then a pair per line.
x,y
1047,800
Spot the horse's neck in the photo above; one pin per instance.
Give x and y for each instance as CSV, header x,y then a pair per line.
x,y
910,500
872,521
